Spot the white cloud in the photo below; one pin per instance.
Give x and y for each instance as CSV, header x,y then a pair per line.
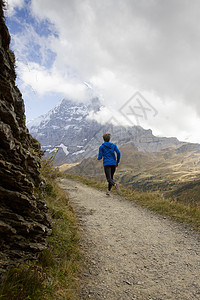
x,y
11,5
42,81
173,118
30,46
120,47
176,119
152,45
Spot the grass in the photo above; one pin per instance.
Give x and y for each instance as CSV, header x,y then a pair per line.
x,y
23,282
181,212
53,275
62,257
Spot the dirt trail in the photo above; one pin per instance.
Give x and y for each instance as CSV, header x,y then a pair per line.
x,y
132,253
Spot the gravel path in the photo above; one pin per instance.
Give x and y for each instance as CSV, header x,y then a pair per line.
x,y
130,252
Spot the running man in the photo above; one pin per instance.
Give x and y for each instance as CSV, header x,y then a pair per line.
x,y
107,151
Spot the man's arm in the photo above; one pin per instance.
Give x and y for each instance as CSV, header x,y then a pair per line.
x,y
118,154
100,153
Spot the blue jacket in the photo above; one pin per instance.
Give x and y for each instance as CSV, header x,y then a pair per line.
x,y
107,151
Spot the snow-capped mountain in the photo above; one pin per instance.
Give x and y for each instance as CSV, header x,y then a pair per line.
x,y
68,130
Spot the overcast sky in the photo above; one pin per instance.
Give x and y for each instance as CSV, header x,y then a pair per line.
x,y
111,49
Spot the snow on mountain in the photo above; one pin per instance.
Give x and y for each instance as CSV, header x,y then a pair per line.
x,y
55,149
78,152
67,130
64,149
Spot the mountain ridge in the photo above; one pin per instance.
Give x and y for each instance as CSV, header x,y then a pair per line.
x,y
68,130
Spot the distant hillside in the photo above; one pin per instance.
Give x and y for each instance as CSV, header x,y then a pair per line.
x,y
68,129
171,171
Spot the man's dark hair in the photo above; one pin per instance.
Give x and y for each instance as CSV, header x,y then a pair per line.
x,y
106,137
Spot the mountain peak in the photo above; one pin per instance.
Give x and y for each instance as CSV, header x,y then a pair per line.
x,y
67,110
68,128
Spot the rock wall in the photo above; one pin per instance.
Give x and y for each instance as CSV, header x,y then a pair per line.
x,y
24,223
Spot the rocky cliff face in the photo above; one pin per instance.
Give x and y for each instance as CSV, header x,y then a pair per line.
x,y
24,224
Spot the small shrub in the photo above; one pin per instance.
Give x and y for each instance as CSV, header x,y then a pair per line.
x,y
46,259
49,189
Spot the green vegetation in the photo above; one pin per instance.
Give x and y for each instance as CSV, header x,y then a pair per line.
x,y
54,274
181,212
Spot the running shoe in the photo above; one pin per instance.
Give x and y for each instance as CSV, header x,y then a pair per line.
x,y
118,189
108,193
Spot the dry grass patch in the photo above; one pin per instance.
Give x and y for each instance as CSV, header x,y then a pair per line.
x,y
180,212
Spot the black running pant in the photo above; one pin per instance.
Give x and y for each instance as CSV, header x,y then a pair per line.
x,y
109,171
